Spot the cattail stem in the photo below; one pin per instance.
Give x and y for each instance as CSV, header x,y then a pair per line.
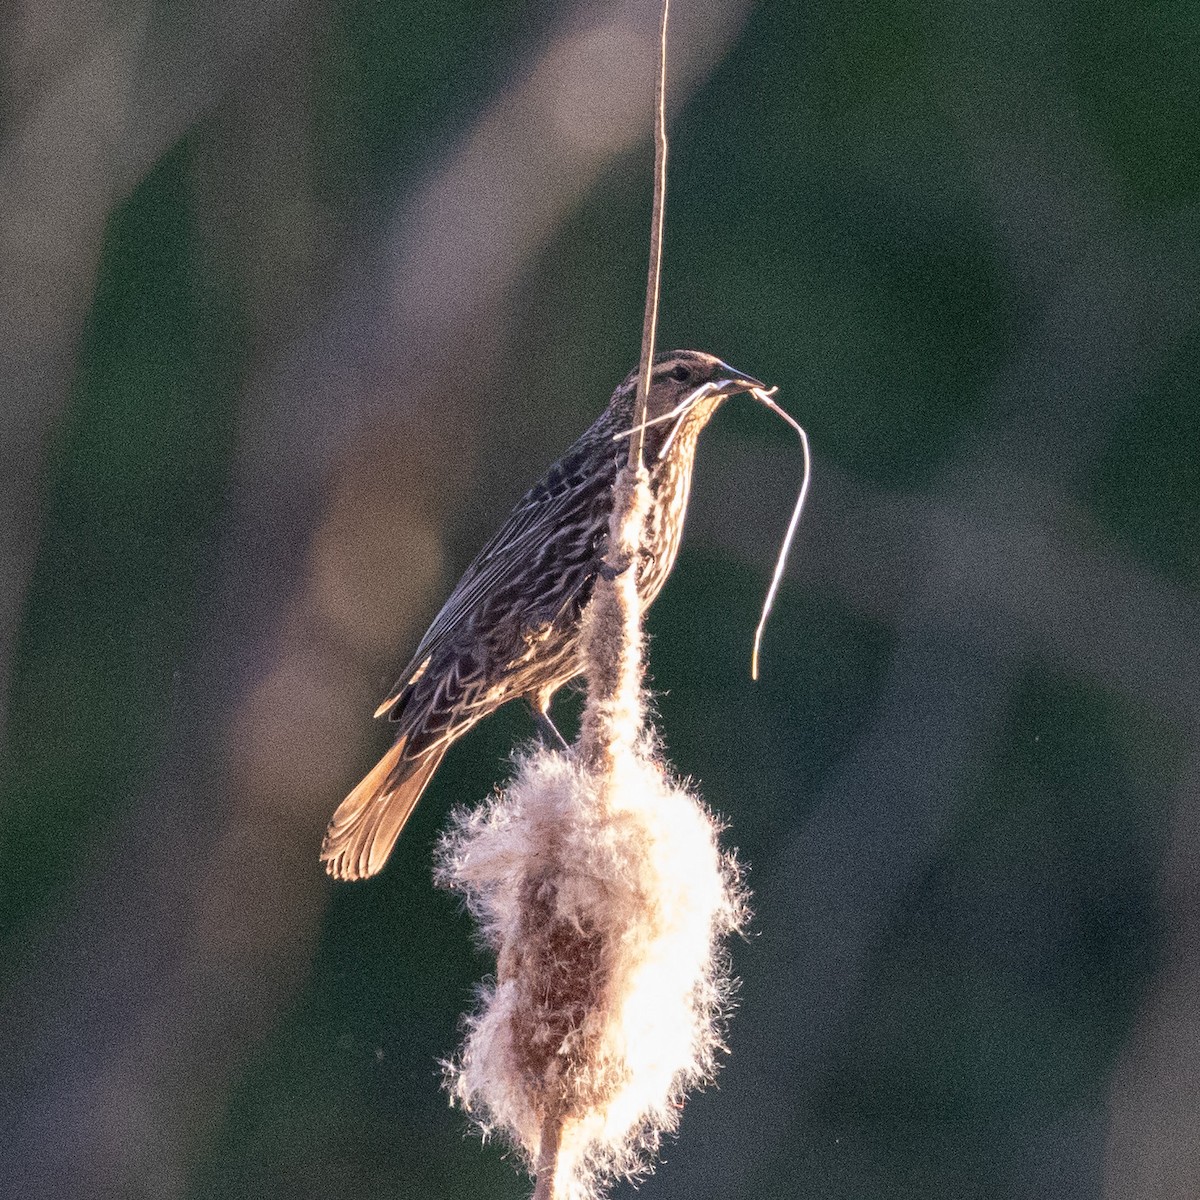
x,y
612,722
654,276
547,1162
613,634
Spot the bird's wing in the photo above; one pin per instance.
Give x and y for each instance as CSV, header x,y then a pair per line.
x,y
517,557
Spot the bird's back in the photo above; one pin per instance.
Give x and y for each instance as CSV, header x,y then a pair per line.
x,y
510,627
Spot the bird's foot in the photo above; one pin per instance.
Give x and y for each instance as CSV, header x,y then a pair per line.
x,y
549,731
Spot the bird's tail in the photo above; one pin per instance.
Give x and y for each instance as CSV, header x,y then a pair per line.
x,y
367,823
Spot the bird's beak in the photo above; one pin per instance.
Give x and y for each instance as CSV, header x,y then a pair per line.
x,y
730,382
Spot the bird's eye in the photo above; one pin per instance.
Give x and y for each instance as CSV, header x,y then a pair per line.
x,y
681,372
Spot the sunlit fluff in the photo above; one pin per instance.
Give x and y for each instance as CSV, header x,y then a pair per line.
x,y
611,983
598,882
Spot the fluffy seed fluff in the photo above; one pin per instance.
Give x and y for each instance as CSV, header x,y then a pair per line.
x,y
607,922
599,883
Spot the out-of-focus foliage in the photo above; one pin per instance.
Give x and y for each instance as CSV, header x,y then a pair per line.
x,y
142,463
962,241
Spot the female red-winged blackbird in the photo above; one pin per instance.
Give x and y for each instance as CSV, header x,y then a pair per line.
x,y
511,627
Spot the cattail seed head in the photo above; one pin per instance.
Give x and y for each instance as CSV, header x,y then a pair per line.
x,y
606,909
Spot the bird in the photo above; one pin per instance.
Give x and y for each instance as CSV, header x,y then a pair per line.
x,y
511,628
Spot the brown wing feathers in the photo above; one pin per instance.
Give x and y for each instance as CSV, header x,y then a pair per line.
x,y
367,823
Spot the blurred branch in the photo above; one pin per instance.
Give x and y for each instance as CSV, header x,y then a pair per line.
x,y
55,192
115,97
1153,1144
194,932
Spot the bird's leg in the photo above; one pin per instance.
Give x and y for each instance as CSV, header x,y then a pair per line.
x,y
540,707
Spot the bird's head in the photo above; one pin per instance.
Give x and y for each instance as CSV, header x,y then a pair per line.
x,y
686,388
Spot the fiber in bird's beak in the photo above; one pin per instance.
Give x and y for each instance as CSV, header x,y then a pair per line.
x,y
737,381
722,388
731,385
764,396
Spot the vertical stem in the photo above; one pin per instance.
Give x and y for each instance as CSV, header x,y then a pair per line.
x,y
614,637
547,1163
650,317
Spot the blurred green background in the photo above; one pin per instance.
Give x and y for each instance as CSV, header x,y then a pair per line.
x,y
298,297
